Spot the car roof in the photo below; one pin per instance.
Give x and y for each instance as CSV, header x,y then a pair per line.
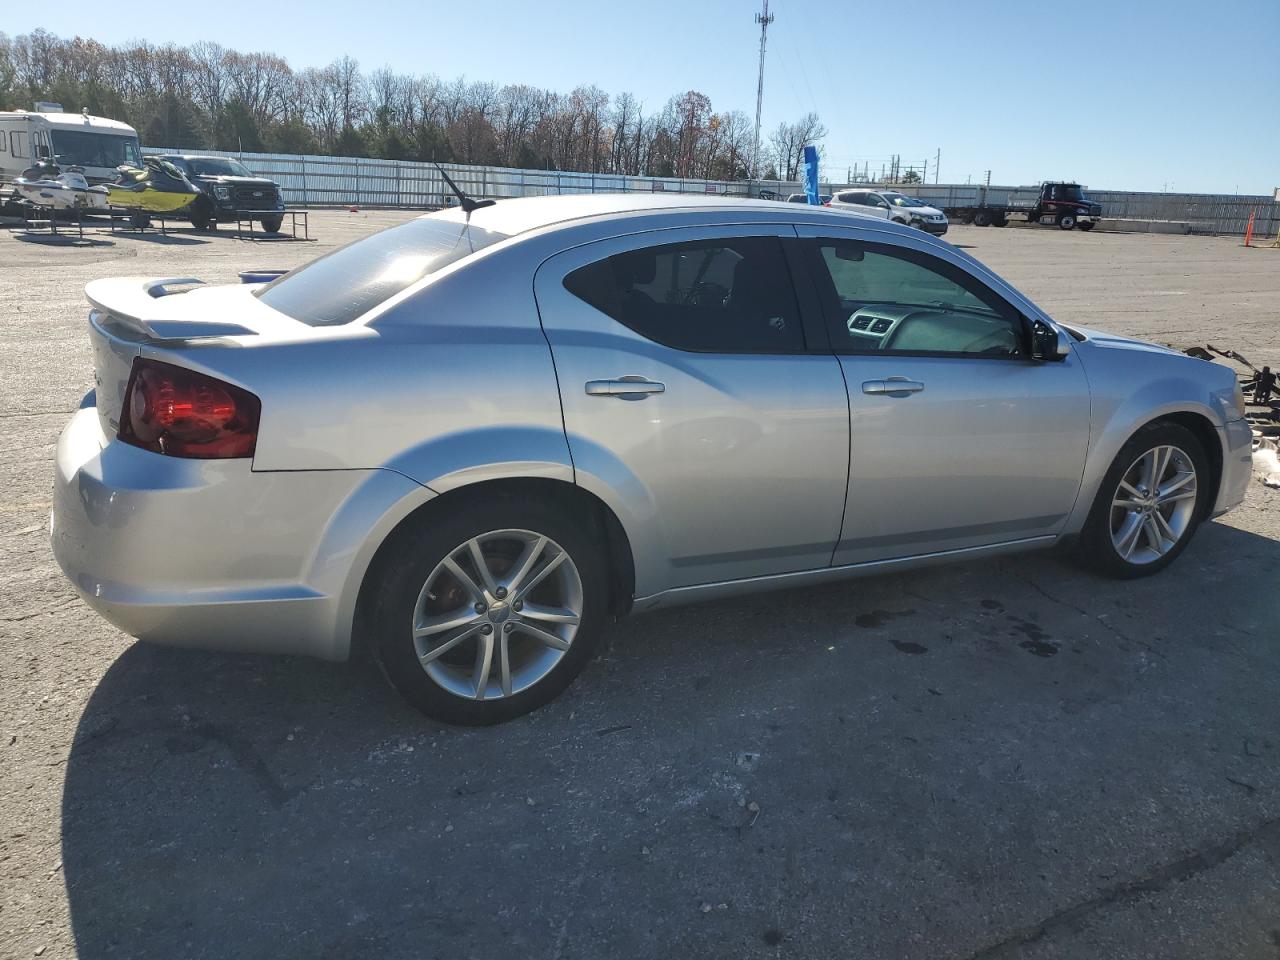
x,y
525,214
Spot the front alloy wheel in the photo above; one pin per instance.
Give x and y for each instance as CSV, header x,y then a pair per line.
x,y
1149,503
1154,505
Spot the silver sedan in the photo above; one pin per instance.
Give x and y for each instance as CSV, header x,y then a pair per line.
x,y
471,440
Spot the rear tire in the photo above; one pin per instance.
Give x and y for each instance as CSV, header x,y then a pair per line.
x,y
1000,220
982,218
418,593
1186,475
272,224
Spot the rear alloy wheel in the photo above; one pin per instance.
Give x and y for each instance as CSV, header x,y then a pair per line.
x,y
1149,504
495,623
1066,221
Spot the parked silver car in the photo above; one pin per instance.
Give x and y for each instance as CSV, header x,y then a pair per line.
x,y
469,443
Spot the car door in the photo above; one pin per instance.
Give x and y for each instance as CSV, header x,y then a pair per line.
x,y
877,205
693,405
957,438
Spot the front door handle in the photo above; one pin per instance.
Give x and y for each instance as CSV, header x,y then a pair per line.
x,y
625,388
893,387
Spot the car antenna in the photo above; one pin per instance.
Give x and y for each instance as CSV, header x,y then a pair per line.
x,y
468,204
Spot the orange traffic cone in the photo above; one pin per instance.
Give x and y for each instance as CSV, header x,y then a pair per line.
x,y
1248,231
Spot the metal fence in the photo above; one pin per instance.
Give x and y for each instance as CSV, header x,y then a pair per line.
x,y
315,181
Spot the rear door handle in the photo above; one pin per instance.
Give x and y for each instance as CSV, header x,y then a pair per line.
x,y
625,388
893,387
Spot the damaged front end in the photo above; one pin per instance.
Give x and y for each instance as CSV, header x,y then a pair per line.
x,y
1262,409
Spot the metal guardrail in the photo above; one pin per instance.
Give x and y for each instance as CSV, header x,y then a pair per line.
x,y
316,181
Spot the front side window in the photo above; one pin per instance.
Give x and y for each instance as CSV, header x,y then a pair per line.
x,y
18,143
349,282
883,299
730,295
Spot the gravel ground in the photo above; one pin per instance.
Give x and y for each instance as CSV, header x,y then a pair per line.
x,y
1002,759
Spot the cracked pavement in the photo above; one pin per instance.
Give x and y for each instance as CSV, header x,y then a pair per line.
x,y
991,760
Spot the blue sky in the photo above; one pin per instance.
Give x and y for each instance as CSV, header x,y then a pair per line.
x,y
1127,94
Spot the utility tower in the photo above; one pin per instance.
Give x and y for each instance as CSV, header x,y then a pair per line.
x,y
764,18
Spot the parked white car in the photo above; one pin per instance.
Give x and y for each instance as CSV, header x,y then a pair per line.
x,y
893,206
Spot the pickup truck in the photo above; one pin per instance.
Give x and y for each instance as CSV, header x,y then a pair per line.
x,y
228,190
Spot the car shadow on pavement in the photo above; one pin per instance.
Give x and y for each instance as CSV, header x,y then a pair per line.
x,y
234,806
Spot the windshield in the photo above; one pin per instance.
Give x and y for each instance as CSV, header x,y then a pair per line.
x,y
1069,192
901,200
349,282
218,167
86,149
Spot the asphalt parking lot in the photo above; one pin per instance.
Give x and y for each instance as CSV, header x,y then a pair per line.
x,y
1004,759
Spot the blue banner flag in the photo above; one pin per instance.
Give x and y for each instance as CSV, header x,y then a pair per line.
x,y
811,174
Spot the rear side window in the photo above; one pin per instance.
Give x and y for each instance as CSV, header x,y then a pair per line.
x,y
349,282
731,295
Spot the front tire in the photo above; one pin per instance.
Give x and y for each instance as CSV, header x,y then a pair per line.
x,y
1086,227
1149,504
476,645
1066,221
202,214
272,224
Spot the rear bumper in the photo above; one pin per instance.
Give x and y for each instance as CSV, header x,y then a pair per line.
x,y
1237,465
210,554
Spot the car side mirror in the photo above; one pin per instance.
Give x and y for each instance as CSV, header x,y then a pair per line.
x,y
1048,343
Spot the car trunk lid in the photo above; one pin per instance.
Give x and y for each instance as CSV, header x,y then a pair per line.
x,y
130,313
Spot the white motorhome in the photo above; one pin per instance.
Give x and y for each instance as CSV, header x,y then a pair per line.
x,y
74,139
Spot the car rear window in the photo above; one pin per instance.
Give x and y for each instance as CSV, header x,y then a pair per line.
x,y
349,282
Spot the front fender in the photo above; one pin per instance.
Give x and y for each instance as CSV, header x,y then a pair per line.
x,y
1116,418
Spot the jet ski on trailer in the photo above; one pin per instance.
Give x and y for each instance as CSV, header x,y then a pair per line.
x,y
157,187
45,184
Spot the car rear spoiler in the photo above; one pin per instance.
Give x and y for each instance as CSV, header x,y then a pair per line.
x,y
127,302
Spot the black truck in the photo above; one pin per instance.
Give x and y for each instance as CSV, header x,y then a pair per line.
x,y
228,191
1055,202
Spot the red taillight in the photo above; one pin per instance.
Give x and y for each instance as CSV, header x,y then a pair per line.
x,y
181,413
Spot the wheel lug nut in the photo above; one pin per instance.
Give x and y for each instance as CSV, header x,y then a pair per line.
x,y
486,629
518,605
500,593
508,627
481,608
